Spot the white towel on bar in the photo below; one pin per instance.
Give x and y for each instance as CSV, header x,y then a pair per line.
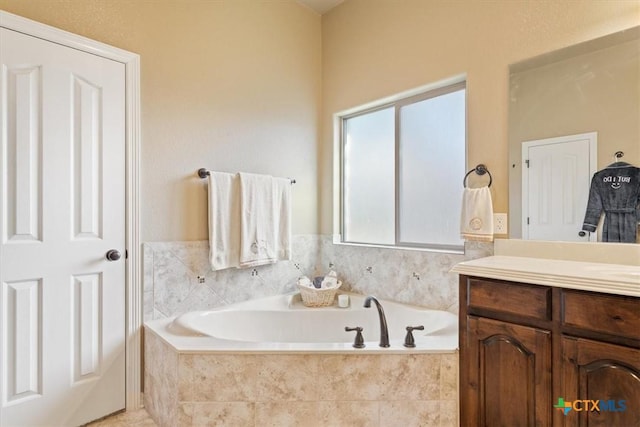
x,y
224,220
282,217
476,220
265,235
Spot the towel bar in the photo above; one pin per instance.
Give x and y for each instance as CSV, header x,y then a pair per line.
x,y
203,173
480,170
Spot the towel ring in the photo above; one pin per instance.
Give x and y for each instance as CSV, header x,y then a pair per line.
x,y
480,170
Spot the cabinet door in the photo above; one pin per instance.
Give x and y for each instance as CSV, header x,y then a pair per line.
x,y
508,378
607,373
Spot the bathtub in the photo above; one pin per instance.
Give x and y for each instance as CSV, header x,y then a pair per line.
x,y
274,361
283,324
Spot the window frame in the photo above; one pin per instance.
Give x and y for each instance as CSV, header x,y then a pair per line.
x,y
397,102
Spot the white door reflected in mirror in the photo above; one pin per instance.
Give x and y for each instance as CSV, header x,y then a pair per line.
x,y
555,186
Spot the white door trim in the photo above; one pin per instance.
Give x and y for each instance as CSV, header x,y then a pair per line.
x,y
131,61
593,160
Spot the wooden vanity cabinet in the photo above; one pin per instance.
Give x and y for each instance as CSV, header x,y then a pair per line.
x,y
523,346
594,365
509,374
608,372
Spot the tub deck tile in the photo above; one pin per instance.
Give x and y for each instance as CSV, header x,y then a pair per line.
x,y
287,378
410,413
227,414
353,414
348,377
449,377
225,378
410,377
287,414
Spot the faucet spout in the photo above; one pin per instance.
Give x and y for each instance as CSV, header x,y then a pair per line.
x,y
384,331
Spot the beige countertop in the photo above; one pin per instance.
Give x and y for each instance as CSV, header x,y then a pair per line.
x,y
590,276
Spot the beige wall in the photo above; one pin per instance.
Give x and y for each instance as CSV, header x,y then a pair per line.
x,y
231,85
375,48
249,84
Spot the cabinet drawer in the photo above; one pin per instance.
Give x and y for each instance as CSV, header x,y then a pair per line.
x,y
523,300
611,314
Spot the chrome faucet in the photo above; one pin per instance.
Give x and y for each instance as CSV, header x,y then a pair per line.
x,y
384,331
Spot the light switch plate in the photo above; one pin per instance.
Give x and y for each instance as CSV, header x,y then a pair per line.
x,y
500,223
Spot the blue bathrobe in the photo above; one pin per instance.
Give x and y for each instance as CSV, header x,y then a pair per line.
x,y
615,190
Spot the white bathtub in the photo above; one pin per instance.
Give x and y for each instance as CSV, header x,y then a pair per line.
x,y
267,359
282,324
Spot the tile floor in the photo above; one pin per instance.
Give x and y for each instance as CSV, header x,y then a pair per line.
x,y
139,418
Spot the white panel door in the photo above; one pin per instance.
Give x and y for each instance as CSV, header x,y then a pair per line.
x,y
62,208
555,186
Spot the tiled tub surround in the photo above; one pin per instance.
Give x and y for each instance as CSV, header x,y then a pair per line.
x,y
288,389
177,276
196,388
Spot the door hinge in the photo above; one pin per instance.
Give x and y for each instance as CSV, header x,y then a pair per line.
x,y
126,254
527,162
527,220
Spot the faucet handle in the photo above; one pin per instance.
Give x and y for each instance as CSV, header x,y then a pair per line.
x,y
359,342
408,340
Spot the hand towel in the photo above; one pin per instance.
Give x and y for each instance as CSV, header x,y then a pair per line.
x,y
265,223
282,217
224,220
476,220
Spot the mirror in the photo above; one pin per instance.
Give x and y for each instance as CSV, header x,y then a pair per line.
x,y
587,90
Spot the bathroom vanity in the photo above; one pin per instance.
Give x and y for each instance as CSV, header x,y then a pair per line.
x,y
533,331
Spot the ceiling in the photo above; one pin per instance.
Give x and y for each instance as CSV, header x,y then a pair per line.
x,y
321,6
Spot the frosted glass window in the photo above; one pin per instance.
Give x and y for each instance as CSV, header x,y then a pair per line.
x,y
402,165
432,162
369,178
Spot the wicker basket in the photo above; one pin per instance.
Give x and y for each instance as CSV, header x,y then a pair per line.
x,y
312,297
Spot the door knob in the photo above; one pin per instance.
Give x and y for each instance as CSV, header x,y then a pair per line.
x,y
582,234
112,255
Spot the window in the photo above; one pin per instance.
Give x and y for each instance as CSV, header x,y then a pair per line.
x,y
401,169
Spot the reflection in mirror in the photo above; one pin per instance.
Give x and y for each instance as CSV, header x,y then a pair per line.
x,y
570,111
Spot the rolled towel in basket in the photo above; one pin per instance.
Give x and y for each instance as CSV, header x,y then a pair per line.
x,y
305,281
317,282
330,280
